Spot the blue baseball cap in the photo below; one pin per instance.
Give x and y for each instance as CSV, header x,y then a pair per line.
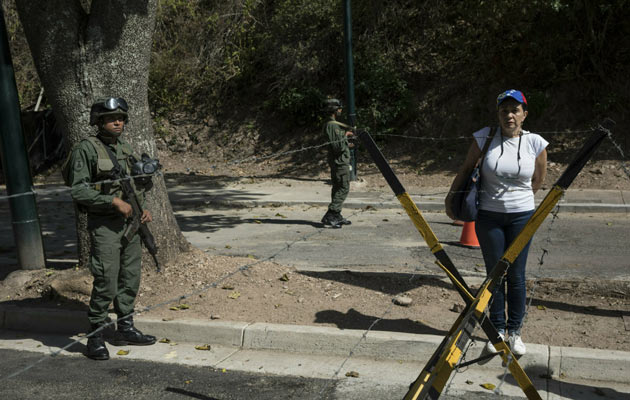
x,y
514,94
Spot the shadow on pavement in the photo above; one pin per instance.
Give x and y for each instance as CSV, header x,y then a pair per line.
x,y
587,310
356,320
565,389
283,221
385,282
207,222
54,342
189,394
388,283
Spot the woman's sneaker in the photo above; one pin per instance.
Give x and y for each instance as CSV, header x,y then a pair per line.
x,y
516,345
490,347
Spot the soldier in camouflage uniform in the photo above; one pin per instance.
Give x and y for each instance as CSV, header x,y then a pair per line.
x,y
115,267
339,162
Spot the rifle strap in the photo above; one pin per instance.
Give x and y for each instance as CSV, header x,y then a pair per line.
x,y
341,124
113,157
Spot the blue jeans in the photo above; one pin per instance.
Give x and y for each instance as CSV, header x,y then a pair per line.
x,y
495,232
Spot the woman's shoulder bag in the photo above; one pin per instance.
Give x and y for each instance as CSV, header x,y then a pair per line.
x,y
466,199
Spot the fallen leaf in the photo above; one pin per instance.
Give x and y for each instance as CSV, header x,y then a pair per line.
x,y
469,382
205,347
280,215
188,382
184,306
488,386
257,221
352,374
174,308
224,370
165,340
227,246
123,352
234,295
227,287
541,307
609,223
284,277
48,273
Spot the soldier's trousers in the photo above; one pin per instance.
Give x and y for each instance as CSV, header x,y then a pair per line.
x,y
116,268
340,177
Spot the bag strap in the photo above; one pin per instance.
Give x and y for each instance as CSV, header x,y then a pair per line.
x,y
486,145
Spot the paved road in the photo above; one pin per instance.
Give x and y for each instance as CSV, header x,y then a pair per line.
x,y
578,245
80,378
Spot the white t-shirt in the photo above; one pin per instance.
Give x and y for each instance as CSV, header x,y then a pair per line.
x,y
506,181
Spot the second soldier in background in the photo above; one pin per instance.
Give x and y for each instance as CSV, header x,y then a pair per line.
x,y
339,162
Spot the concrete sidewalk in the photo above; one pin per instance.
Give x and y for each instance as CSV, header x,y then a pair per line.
x,y
247,192
386,357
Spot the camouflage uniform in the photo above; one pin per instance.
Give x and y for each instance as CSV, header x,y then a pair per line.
x,y
339,162
116,268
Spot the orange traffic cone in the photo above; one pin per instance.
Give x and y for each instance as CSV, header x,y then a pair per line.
x,y
469,237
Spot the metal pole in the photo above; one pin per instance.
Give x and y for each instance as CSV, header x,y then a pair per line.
x,y
24,217
352,116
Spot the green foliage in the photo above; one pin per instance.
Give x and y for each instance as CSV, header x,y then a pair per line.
x,y
25,74
429,66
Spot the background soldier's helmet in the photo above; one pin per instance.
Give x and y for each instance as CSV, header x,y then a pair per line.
x,y
331,105
110,106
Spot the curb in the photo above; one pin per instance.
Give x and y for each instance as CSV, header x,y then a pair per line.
x,y
558,362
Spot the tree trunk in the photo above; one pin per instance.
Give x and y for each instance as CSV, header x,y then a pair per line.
x,y
81,57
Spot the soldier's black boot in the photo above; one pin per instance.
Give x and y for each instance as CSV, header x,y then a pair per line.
x,y
96,349
341,220
330,219
127,334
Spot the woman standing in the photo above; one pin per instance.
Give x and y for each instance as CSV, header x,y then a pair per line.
x,y
513,169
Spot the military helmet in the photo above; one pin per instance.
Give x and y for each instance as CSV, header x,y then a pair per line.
x,y
109,106
332,105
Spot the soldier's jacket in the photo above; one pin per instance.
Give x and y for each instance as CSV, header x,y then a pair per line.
x,y
338,149
90,164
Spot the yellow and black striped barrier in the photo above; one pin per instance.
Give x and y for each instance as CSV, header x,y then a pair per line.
x,y
437,371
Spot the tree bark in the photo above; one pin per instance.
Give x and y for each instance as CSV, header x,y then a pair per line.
x,y
83,56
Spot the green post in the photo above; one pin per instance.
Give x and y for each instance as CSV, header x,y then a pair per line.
x,y
24,218
352,116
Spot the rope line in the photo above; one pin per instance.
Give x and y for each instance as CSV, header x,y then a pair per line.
x,y
202,289
287,247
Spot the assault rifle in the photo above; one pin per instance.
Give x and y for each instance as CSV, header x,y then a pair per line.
x,y
133,224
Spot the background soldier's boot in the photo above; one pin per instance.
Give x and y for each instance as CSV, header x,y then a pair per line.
x,y
127,334
331,219
341,220
96,349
